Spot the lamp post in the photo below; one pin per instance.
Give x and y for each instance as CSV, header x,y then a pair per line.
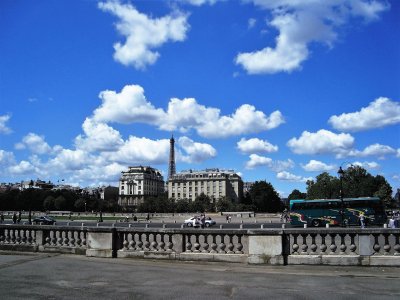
x,y
341,174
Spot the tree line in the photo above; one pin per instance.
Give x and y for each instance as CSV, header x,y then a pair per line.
x,y
262,196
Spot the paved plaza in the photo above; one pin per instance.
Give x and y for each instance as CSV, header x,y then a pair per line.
x,y
50,276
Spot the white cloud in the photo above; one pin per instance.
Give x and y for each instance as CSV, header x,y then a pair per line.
x,y
143,34
201,2
4,129
98,137
317,166
321,142
131,106
374,150
70,160
379,113
128,106
138,150
35,143
197,152
300,23
398,153
282,165
6,158
257,161
23,168
367,165
255,145
286,176
251,23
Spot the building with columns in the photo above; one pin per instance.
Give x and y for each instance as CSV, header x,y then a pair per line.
x,y
214,183
138,183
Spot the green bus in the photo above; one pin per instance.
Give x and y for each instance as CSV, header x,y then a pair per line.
x,y
328,211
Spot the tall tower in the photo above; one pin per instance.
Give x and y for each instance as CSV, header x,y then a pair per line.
x,y
171,165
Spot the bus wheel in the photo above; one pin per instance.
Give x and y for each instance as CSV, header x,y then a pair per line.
x,y
315,223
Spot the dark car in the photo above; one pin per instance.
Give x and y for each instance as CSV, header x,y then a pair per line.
x,y
45,220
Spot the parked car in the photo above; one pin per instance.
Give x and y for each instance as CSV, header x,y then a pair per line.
x,y
195,222
45,220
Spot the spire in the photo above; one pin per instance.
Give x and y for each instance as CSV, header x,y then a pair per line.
x,y
171,165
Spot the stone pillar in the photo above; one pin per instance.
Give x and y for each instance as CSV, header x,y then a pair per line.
x,y
265,249
101,242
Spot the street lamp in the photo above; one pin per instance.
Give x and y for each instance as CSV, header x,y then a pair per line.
x,y
341,174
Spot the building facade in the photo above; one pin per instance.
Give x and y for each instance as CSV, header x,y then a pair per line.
x,y
214,183
138,183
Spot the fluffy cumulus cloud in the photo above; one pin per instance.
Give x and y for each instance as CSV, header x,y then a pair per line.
x,y
320,142
300,23
22,168
256,145
98,137
35,143
4,129
131,106
6,158
200,2
379,113
317,166
257,161
287,176
377,150
143,34
196,152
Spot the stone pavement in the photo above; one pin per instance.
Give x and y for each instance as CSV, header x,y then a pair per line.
x,y
50,276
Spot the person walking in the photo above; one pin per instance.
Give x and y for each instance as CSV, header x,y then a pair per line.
x,y
203,220
1,218
362,220
14,218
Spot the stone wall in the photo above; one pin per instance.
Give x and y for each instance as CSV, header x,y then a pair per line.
x,y
330,246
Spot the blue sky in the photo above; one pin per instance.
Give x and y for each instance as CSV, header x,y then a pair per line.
x,y
276,90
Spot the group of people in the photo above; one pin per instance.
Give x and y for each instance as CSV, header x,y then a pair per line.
x,y
200,220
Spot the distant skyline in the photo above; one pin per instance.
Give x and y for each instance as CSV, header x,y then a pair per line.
x,y
276,90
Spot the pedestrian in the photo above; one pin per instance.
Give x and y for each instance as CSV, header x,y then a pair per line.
x,y
362,220
203,220
148,217
19,216
229,219
14,218
1,218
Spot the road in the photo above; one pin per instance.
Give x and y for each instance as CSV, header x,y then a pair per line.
x,y
50,276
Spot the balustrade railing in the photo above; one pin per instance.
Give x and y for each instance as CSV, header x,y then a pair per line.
x,y
221,243
73,238
18,236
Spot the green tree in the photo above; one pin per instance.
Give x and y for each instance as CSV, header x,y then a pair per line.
x,y
264,197
60,203
296,194
325,187
224,204
182,205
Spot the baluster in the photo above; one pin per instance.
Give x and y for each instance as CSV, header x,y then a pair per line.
x,y
239,247
53,238
2,237
84,239
125,243
60,239
154,243
323,246
7,236
17,236
23,238
162,243
333,246
196,244
376,246
72,241
30,239
169,243
66,239
230,245
222,245
313,246
147,243
139,243
205,244
295,246
78,239
214,245
304,246
132,242
12,231
397,245
353,246
343,246
386,247
188,243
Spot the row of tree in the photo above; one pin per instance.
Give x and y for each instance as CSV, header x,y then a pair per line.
x,y
262,197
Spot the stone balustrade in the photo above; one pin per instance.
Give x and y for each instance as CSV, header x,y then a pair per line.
x,y
332,246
